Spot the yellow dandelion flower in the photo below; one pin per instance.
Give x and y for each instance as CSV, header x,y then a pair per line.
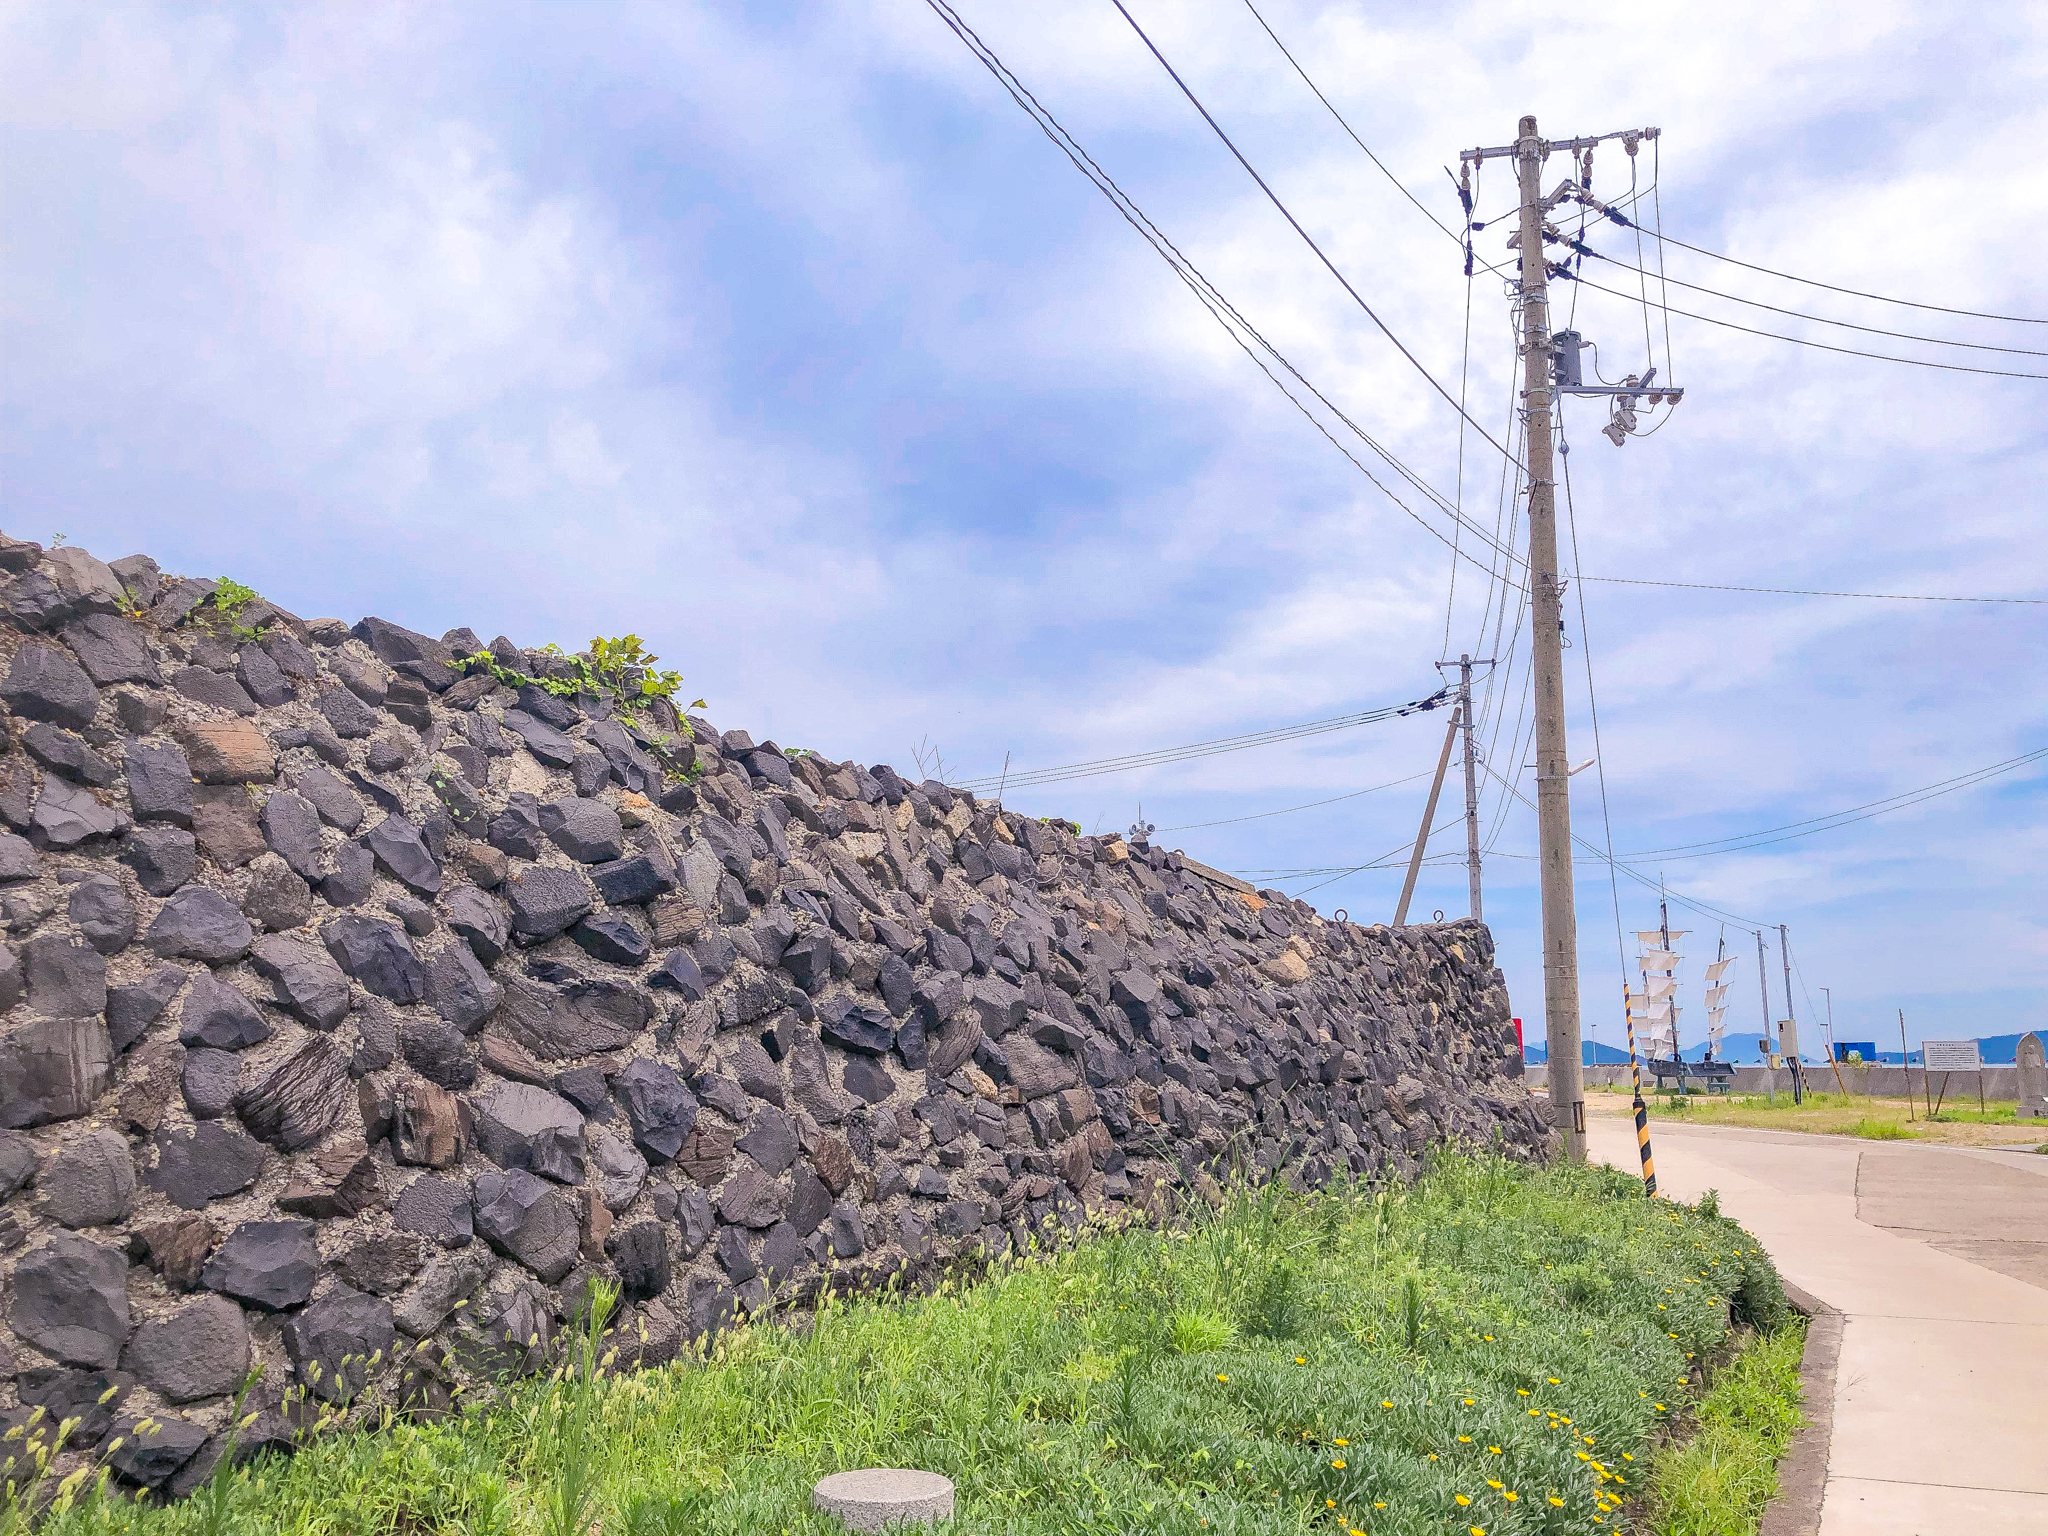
x,y
1380,1504
1555,1382
1556,1502
1468,1402
1478,1530
1340,1442
1495,1484
1432,1455
1462,1499
1510,1495
1386,1402
1221,1377
1338,1463
1301,1359
1626,1457
1464,1439
1493,1450
1488,1337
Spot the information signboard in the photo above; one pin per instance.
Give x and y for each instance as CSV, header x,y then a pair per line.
x,y
1952,1056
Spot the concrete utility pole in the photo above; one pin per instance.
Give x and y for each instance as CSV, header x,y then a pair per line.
x,y
1763,987
1465,666
1436,789
1546,591
1553,770
1792,1034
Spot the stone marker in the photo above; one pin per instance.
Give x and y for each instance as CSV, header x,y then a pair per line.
x,y
2031,1062
874,1497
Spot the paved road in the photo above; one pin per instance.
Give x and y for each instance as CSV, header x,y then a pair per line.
x,y
1937,1257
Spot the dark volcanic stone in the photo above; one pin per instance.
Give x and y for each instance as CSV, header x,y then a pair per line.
x,y
210,1079
809,959
856,1027
301,1100
163,858
403,650
680,972
350,718
546,901
660,1108
438,1051
613,939
61,752
586,830
151,1453
111,649
480,919
402,853
354,870
291,826
18,859
66,980
566,1024
268,1264
340,1333
304,978
70,1300
770,1141
460,989
90,1183
866,1078
516,829
261,678
207,1163
200,1350
216,690
132,1009
215,1014
378,955
529,1220
335,803
640,1253
437,1208
199,924
513,1116
67,814
632,881
53,1069
752,1198
546,743
46,684
104,913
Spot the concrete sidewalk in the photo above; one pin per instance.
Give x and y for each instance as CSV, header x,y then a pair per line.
x,y
1937,1257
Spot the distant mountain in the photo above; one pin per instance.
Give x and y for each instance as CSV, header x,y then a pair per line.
x,y
1997,1051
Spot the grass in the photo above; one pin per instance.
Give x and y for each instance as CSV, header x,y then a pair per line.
x,y
1494,1350
1717,1481
1830,1113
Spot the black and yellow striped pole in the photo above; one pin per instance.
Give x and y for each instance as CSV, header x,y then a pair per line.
x,y
1635,1068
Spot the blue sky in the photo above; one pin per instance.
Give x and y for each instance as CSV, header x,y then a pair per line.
x,y
778,335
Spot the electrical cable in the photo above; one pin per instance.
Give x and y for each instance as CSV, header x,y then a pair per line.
x,y
1593,701
1195,280
1881,357
1745,841
1847,325
1163,755
1894,597
1973,314
1232,821
1273,197
1406,845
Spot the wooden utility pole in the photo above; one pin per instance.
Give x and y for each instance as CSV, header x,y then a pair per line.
x,y
1436,789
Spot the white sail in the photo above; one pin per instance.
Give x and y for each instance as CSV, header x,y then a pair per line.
x,y
1660,987
1659,960
1714,996
1718,968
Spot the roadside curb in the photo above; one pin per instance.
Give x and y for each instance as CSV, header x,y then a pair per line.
x,y
1803,1474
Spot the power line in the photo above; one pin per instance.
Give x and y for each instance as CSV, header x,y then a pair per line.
x,y
1356,298
1894,597
1973,314
1231,821
1164,755
1206,293
1834,819
1750,330
1849,325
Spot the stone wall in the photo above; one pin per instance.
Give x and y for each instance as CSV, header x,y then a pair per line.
x,y
359,1005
